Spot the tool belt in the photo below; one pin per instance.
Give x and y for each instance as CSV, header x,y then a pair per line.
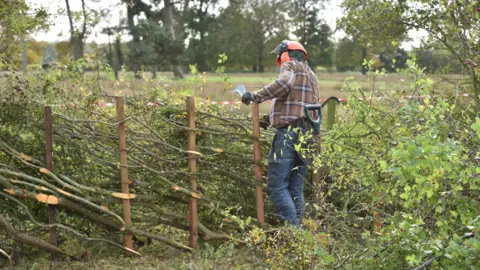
x,y
301,122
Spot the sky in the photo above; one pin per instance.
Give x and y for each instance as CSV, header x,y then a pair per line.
x,y
60,28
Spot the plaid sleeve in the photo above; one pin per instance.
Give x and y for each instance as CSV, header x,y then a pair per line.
x,y
280,87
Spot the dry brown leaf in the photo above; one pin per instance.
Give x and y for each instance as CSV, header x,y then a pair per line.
x,y
48,199
44,170
124,196
175,187
105,207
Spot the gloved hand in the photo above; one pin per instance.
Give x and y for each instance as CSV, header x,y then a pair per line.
x,y
265,122
247,98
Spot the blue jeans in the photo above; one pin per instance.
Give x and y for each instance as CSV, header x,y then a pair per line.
x,y
286,175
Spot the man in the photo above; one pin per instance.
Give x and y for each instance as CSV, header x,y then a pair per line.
x,y
295,87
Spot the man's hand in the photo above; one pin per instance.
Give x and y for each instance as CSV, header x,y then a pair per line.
x,y
247,98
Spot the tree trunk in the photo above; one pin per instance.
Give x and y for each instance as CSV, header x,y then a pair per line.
x,y
112,64
76,37
364,56
260,60
77,46
475,87
118,48
185,13
202,53
154,71
24,57
135,39
168,20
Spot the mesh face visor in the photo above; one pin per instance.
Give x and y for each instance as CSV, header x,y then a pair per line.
x,y
280,48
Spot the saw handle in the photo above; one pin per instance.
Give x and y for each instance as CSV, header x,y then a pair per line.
x,y
315,123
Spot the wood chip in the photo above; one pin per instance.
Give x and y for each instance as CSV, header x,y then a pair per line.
x,y
10,191
195,153
48,199
41,188
64,192
196,195
25,157
124,196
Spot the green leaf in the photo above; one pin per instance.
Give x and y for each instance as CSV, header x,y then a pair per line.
x,y
249,219
429,193
476,126
383,164
412,259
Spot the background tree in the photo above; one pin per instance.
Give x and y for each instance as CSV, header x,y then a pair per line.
x,y
347,55
229,35
156,47
451,25
164,17
77,34
200,23
373,26
266,28
392,61
18,21
313,32
247,31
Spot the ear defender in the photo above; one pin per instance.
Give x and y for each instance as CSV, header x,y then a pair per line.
x,y
284,57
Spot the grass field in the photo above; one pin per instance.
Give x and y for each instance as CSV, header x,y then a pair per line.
x,y
216,89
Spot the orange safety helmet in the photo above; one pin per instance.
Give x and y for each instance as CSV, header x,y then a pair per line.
x,y
282,50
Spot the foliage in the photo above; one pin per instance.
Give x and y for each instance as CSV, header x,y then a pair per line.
x,y
414,164
347,55
247,31
314,33
452,26
201,23
372,25
16,24
155,47
86,156
296,249
437,61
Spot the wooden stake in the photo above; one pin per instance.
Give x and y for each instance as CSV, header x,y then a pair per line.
x,y
122,143
257,155
332,105
192,167
47,110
